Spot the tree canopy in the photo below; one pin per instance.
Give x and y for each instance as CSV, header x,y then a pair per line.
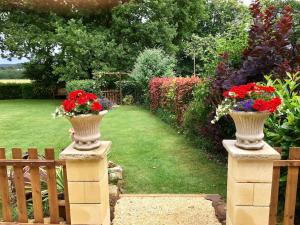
x,y
73,45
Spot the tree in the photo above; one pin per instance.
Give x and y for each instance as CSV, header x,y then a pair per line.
x,y
71,45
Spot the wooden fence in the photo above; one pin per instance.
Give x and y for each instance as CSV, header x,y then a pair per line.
x,y
113,95
292,165
18,165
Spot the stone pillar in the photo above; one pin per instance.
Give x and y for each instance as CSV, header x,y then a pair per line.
x,y
88,184
249,184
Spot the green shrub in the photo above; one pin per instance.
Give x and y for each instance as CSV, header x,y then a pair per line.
x,y
283,129
86,85
197,120
27,91
197,112
152,63
131,87
40,91
167,116
10,91
128,100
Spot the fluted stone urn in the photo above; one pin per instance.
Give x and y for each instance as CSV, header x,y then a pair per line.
x,y
86,132
249,129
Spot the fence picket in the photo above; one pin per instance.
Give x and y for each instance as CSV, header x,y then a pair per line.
x,y
52,188
112,95
274,193
4,190
66,194
34,163
36,188
20,187
291,189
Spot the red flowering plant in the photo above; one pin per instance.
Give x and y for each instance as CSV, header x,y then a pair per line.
x,y
250,97
80,102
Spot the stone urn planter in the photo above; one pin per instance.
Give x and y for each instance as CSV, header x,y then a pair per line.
x,y
249,129
86,133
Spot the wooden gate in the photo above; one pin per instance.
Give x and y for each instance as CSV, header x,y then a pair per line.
x,y
113,95
34,165
292,165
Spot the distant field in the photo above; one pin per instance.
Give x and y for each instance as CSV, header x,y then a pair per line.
x,y
11,73
23,81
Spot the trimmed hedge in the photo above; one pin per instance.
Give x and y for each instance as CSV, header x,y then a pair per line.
x,y
172,94
26,91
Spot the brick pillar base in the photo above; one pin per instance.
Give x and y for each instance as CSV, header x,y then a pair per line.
x,y
88,184
249,184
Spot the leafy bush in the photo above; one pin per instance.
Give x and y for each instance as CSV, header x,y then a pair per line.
x,y
152,63
85,85
40,91
27,91
172,94
131,87
10,91
269,50
128,100
283,129
198,116
195,116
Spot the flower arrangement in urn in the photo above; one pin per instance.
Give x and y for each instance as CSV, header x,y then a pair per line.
x,y
249,106
85,112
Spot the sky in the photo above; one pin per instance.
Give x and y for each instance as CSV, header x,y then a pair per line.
x,y
13,61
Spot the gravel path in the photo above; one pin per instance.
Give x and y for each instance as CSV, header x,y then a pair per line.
x,y
165,210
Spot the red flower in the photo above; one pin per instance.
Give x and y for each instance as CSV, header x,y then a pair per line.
x,y
96,106
91,96
82,100
260,105
240,91
271,105
226,94
274,103
268,89
69,105
75,94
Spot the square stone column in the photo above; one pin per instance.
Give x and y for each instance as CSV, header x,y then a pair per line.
x,y
88,184
249,184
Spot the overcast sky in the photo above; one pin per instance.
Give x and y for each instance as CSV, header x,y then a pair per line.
x,y
13,61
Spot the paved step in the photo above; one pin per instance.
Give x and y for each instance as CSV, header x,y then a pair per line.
x,y
164,210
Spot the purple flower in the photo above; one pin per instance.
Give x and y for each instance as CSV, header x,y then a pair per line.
x,y
245,105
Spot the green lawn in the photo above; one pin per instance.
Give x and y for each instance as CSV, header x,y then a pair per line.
x,y
156,159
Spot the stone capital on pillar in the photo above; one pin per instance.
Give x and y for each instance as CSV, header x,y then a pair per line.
x,y
249,184
87,176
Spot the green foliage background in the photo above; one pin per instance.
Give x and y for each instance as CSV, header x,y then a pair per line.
x,y
67,46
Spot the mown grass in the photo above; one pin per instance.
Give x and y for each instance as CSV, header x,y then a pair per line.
x,y
155,158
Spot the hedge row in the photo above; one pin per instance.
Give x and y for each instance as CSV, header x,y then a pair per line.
x,y
172,94
26,91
